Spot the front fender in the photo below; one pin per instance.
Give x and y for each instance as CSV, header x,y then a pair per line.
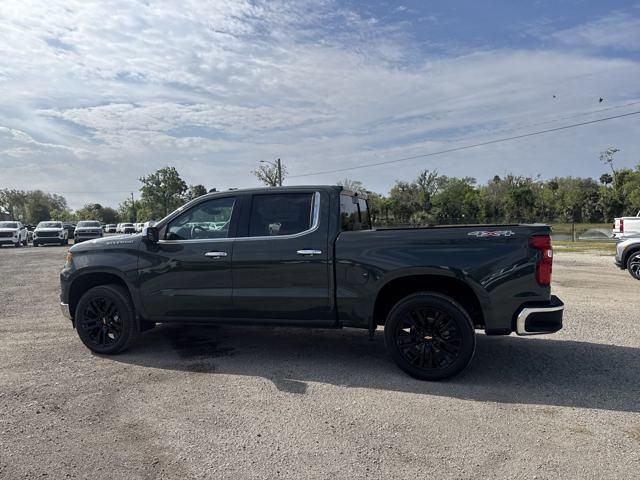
x,y
118,262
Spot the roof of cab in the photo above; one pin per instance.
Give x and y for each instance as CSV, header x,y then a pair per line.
x,y
287,188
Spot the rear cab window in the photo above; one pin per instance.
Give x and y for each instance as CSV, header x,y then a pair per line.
x,y
354,213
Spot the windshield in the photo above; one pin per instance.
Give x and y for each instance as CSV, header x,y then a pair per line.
x,y
50,225
88,224
8,225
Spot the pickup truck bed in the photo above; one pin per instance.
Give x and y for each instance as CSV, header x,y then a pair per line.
x,y
625,226
490,269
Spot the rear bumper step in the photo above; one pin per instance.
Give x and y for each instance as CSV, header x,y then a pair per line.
x,y
64,307
540,319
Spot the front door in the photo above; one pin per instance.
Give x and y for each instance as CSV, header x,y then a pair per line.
x,y
280,260
187,274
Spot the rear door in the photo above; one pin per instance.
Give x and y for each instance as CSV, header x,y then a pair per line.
x,y
280,260
187,274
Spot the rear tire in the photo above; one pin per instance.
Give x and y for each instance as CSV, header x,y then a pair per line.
x,y
633,265
35,244
106,319
18,244
430,336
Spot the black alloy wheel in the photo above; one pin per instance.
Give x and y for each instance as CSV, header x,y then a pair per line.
x,y
430,336
105,319
633,265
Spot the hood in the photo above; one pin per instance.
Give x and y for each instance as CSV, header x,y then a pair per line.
x,y
9,229
48,229
109,243
90,229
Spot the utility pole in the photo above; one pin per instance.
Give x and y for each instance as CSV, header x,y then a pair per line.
x,y
133,209
279,172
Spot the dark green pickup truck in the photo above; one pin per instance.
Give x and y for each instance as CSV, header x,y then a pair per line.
x,y
308,256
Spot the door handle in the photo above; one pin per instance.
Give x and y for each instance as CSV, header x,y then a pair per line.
x,y
309,252
215,254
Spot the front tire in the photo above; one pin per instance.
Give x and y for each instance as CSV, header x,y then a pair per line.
x,y
106,320
430,336
633,265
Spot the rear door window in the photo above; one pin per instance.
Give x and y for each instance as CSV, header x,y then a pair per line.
x,y
279,214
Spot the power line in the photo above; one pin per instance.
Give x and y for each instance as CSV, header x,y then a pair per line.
x,y
466,147
568,117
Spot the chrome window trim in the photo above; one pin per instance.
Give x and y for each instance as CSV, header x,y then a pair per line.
x,y
315,223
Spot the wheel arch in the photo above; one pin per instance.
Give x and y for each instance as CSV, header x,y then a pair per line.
x,y
630,251
83,283
398,288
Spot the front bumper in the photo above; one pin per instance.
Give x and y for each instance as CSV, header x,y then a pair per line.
x,y
48,239
86,236
8,240
540,318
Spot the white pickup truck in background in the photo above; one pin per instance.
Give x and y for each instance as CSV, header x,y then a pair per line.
x,y
625,226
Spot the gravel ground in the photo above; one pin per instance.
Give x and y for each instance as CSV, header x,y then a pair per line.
x,y
237,402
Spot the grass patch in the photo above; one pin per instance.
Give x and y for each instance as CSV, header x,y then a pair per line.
x,y
602,248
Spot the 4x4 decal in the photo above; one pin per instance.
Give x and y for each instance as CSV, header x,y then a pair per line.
x,y
491,233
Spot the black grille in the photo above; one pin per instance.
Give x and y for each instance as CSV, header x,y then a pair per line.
x,y
6,234
47,234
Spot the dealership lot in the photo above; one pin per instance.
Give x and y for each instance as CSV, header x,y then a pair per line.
x,y
239,402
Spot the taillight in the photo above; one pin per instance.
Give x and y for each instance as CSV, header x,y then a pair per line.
x,y
621,225
544,265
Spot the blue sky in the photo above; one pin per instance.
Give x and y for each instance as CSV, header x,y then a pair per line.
x,y
96,95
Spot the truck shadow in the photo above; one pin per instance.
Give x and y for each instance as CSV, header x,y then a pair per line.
x,y
505,369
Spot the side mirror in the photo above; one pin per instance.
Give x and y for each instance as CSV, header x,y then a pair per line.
x,y
151,234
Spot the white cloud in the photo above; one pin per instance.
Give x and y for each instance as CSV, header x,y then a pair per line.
x,y
618,31
105,93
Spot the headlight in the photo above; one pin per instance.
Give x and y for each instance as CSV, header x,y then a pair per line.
x,y
16,233
35,235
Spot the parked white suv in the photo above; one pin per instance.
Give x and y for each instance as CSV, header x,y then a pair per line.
x,y
87,230
628,256
50,232
128,228
13,233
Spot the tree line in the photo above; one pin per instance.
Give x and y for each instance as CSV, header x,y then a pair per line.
x,y
428,199
161,192
432,199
